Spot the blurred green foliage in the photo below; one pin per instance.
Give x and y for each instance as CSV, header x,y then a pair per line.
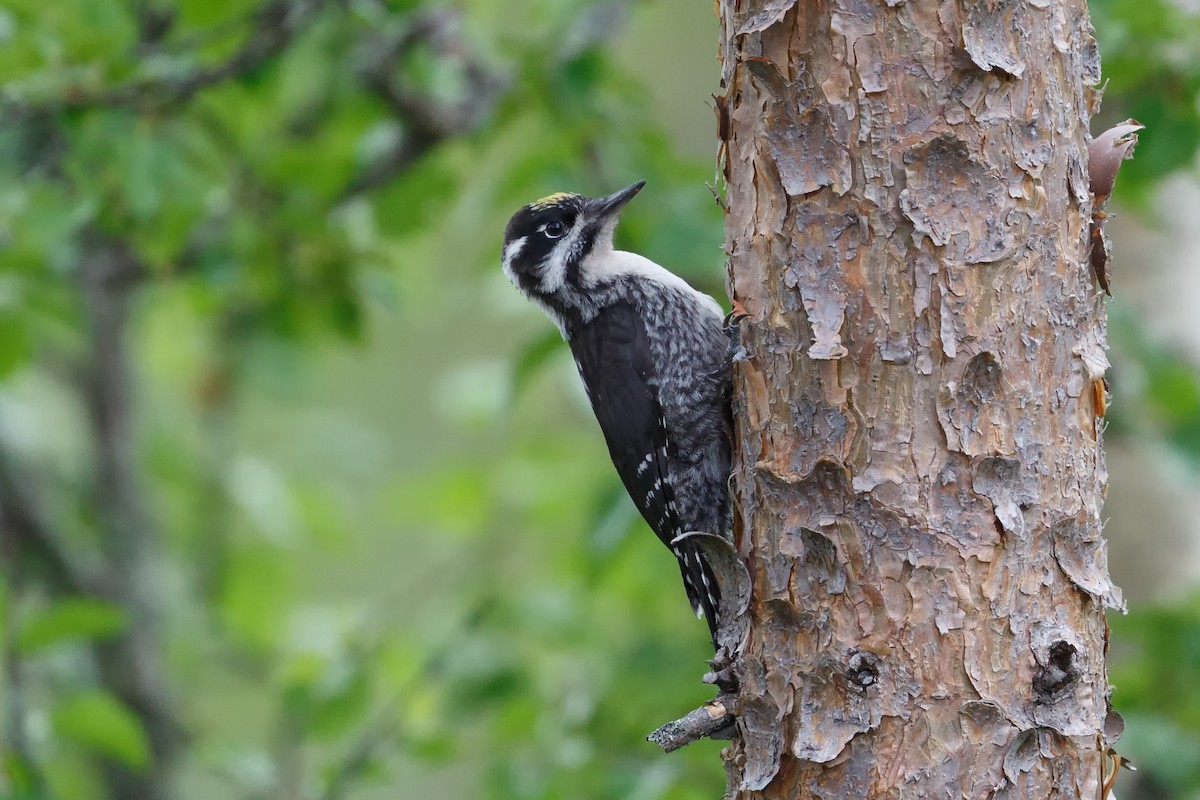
x,y
390,556
1155,666
1152,73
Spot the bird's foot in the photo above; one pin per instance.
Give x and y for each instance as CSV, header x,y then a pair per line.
x,y
721,672
734,317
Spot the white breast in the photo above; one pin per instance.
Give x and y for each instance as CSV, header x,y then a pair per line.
x,y
607,264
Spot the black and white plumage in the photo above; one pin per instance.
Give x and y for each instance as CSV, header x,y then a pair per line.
x,y
653,356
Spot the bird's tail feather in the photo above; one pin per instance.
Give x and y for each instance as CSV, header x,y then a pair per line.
x,y
701,585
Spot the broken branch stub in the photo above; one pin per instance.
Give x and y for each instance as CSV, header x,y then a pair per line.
x,y
1106,153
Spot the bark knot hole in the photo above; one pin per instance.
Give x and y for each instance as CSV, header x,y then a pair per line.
x,y
1057,674
863,669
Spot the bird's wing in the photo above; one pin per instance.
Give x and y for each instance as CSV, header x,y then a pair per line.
x,y
616,364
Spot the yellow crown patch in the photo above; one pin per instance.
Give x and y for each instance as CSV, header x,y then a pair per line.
x,y
553,199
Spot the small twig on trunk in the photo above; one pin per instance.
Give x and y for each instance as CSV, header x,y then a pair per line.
x,y
710,721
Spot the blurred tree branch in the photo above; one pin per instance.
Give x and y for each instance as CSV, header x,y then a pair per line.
x,y
362,751
19,531
427,120
131,663
274,25
27,536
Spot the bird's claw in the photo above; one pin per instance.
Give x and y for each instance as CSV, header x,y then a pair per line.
x,y
735,316
722,675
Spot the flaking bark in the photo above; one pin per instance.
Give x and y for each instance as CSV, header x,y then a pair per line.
x,y
918,464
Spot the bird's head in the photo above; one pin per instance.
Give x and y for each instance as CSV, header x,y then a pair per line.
x,y
548,244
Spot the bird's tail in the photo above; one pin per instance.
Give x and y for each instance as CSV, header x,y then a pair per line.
x,y
701,585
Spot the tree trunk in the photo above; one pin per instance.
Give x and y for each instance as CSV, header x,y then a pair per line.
x,y
918,398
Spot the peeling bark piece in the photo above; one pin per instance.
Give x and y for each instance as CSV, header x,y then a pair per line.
x,y
1009,487
1114,727
1022,756
1082,554
771,13
984,723
1101,253
988,664
758,721
974,412
817,274
862,49
1094,360
844,696
803,144
1077,181
944,185
991,34
821,571
1031,149
869,65
955,513
985,728
832,710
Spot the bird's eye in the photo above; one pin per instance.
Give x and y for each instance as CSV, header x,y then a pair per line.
x,y
554,230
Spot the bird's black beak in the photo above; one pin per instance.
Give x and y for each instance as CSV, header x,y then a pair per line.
x,y
610,206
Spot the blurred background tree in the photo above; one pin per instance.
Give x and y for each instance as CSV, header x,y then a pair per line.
x,y
299,499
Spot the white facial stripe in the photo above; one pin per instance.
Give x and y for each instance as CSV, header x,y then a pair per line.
x,y
511,251
554,273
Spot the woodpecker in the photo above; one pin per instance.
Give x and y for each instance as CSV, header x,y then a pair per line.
x,y
653,355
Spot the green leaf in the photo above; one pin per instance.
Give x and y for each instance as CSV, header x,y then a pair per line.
x,y
341,706
257,595
14,344
331,695
73,619
439,747
21,777
98,722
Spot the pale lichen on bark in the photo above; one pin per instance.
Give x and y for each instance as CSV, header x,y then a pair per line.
x,y
919,466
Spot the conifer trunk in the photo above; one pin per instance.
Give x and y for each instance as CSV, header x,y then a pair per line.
x,y
918,398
